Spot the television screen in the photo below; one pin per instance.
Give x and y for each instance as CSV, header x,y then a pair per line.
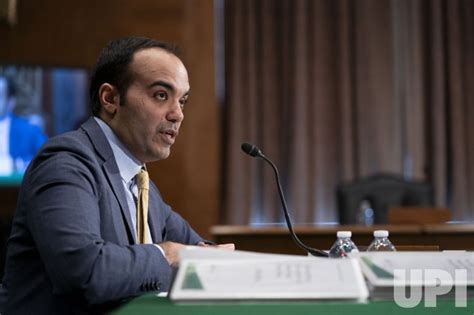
x,y
36,103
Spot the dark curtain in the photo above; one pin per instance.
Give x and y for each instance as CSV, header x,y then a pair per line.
x,y
333,90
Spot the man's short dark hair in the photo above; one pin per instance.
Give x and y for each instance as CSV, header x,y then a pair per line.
x,y
11,87
112,65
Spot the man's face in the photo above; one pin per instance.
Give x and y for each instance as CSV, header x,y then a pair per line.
x,y
3,97
152,108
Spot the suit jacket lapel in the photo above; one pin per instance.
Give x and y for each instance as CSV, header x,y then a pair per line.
x,y
115,180
111,170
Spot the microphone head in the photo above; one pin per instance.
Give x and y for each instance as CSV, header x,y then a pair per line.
x,y
251,149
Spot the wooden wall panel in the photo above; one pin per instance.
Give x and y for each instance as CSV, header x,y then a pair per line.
x,y
72,33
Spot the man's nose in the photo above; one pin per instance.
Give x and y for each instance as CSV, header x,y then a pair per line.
x,y
175,114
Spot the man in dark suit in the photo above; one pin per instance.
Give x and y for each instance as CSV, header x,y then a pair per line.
x,y
20,140
77,244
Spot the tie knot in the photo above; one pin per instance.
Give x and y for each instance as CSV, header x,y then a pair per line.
x,y
142,179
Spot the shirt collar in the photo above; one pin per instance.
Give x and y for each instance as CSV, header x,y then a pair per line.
x,y
128,165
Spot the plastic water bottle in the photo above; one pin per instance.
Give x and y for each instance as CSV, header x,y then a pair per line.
x,y
381,243
365,213
343,245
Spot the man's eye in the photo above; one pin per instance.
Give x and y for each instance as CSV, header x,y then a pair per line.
x,y
183,102
162,96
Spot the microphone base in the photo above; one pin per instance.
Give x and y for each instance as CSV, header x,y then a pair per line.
x,y
317,254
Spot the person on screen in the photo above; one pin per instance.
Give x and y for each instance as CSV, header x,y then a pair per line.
x,y
20,140
81,241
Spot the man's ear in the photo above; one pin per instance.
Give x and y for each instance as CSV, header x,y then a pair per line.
x,y
109,98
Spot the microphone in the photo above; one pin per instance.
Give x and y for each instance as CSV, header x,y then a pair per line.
x,y
254,151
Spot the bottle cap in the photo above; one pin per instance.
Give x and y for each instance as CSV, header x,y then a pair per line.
x,y
344,234
381,233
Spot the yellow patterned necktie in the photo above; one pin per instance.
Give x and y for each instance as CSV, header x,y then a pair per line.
x,y
142,182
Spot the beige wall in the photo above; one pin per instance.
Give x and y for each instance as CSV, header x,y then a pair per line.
x,y
72,33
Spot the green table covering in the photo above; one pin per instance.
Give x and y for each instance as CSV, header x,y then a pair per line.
x,y
151,304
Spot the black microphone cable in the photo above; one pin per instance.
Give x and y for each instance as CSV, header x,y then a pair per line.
x,y
254,151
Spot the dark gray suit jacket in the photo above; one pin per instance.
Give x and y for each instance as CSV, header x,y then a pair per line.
x,y
72,249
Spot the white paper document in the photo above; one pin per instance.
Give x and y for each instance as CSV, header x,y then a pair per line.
x,y
215,274
444,274
402,268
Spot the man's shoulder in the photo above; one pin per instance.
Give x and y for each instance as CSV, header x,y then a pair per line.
x,y
82,150
70,147
81,138
70,139
63,157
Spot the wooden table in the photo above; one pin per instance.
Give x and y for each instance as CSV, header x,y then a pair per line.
x,y
276,239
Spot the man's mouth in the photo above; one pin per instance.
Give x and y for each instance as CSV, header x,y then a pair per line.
x,y
169,135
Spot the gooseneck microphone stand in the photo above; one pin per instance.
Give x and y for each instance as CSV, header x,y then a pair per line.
x,y
254,151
